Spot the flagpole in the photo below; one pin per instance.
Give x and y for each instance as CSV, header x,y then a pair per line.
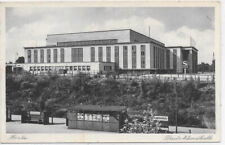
x,y
149,31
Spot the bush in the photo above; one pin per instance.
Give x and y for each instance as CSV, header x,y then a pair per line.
x,y
196,100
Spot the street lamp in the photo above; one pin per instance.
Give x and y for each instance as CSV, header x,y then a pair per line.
x,y
176,103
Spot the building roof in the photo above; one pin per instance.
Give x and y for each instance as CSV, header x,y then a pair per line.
x,y
121,35
88,32
171,47
98,108
55,46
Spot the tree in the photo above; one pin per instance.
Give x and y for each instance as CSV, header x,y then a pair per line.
x,y
147,124
20,59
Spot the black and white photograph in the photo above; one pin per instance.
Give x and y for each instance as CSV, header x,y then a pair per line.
x,y
111,70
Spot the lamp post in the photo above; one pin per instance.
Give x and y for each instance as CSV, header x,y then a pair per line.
x,y
176,103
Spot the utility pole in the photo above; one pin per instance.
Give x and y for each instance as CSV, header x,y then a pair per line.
x,y
176,103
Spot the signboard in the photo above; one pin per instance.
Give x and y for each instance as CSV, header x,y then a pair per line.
x,y
161,118
185,64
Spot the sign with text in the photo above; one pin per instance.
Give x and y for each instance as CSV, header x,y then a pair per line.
x,y
185,64
161,118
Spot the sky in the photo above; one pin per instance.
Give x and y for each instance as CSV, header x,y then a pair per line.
x,y
172,25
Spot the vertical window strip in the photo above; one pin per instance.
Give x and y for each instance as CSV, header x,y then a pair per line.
x,y
134,54
125,57
142,56
117,57
62,55
92,54
108,54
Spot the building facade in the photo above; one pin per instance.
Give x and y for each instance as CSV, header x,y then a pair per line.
x,y
183,55
101,51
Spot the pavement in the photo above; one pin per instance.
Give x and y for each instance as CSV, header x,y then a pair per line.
x,y
59,126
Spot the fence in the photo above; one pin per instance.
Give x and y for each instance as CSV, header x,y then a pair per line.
x,y
203,77
210,78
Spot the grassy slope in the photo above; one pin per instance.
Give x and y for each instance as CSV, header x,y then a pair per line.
x,y
196,100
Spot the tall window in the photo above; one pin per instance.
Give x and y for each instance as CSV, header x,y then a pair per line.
x,y
167,59
92,54
49,55
163,58
160,60
108,54
55,55
42,56
142,56
35,56
154,56
125,54
134,54
117,57
29,56
77,54
159,57
100,54
62,55
175,59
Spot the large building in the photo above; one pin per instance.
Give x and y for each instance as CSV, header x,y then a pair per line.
x,y
103,51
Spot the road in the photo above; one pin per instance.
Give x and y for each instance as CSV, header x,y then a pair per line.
x,y
59,126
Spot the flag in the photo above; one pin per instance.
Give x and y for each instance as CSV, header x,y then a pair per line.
x,y
192,41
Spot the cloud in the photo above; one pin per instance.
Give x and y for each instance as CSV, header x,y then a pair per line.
x,y
179,37
22,12
204,41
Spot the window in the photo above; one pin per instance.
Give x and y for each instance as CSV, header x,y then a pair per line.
x,y
100,54
42,56
49,55
42,68
117,57
168,59
83,68
34,68
79,68
46,68
62,55
31,68
92,54
71,68
88,68
107,68
163,58
154,56
75,67
77,54
158,50
174,59
35,56
80,116
108,54
88,117
29,56
125,54
105,117
55,55
134,54
96,117
142,56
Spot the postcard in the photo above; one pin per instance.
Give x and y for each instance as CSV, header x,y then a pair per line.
x,y
110,72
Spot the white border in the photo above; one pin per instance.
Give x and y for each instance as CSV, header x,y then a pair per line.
x,y
82,137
